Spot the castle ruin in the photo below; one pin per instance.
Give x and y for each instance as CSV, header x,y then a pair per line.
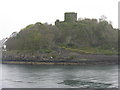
x,y
68,17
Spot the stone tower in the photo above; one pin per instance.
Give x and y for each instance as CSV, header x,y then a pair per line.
x,y
70,17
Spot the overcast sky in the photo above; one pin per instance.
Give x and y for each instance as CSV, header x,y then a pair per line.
x,y
16,14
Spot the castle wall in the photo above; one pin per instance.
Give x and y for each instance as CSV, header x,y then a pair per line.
x,y
70,17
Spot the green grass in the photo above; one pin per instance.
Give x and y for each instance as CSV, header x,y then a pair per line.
x,y
30,51
45,50
78,50
92,51
99,51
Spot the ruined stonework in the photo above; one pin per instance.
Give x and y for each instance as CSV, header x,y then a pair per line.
x,y
70,17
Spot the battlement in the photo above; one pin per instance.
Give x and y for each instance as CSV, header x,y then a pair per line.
x,y
70,17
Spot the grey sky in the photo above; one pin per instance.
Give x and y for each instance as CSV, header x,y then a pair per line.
x,y
16,14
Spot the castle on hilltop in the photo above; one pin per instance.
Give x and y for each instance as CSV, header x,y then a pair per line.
x,y
71,17
68,17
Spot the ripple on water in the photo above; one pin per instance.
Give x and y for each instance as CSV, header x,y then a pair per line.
x,y
17,81
30,82
85,84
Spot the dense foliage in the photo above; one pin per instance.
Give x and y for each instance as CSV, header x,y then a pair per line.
x,y
83,34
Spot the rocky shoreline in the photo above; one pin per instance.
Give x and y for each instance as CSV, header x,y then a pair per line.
x,y
58,59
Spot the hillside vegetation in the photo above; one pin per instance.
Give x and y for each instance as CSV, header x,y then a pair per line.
x,y
86,36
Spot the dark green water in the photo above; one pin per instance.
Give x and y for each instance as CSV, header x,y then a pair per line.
x,y
43,76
